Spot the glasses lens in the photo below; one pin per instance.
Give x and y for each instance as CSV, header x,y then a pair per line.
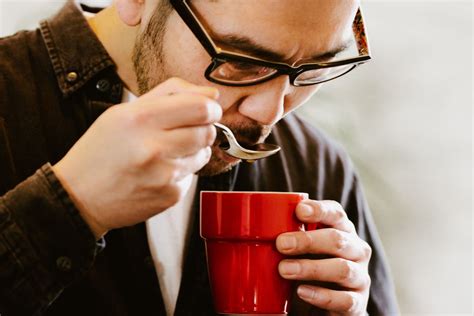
x,y
241,72
314,76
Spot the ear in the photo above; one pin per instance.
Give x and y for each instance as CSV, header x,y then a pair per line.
x,y
130,11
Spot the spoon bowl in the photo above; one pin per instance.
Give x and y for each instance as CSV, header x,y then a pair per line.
x,y
235,150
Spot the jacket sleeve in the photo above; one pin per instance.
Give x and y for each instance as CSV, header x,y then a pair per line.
x,y
44,244
382,300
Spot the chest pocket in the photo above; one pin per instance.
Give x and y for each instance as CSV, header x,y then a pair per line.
x,y
7,168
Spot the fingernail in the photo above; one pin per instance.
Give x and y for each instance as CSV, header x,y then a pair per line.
x,y
306,293
216,111
306,210
290,268
287,242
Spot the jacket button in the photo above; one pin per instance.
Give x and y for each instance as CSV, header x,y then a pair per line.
x,y
71,76
103,85
64,263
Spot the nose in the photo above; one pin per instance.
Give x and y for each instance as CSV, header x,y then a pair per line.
x,y
265,103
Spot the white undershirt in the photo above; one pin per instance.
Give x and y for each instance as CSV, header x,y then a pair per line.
x,y
166,234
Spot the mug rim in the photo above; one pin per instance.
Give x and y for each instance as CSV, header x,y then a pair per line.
x,y
254,192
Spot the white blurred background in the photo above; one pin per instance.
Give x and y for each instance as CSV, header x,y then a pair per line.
x,y
406,120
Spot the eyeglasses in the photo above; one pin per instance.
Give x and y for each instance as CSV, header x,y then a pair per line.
x,y
236,69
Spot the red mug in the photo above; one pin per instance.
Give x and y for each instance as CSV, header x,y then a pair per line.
x,y
240,229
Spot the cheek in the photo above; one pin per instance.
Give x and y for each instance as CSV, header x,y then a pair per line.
x,y
183,55
299,97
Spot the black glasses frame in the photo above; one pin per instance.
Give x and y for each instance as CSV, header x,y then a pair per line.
x,y
220,56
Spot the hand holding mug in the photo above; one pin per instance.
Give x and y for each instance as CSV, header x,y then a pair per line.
x,y
347,267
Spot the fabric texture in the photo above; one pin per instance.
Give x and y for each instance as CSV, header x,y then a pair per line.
x,y
54,82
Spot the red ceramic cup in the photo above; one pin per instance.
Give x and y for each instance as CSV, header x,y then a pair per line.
x,y
240,229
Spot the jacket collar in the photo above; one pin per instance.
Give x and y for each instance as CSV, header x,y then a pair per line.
x,y
76,53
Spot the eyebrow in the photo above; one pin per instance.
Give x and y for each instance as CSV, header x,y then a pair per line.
x,y
247,46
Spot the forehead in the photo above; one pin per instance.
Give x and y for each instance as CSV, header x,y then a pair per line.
x,y
294,28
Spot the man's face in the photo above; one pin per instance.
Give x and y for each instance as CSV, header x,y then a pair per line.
x,y
295,30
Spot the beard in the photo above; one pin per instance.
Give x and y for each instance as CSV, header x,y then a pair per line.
x,y
248,134
150,70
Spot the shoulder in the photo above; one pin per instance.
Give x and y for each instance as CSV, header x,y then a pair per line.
x,y
17,50
22,51
24,62
308,143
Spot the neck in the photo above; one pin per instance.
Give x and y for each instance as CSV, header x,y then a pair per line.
x,y
118,39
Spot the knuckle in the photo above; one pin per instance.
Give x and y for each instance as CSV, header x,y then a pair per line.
x,y
339,239
135,118
144,154
337,210
338,206
367,281
351,226
367,250
339,214
350,303
325,205
347,271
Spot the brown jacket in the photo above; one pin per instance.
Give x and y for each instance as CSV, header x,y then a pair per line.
x,y
54,82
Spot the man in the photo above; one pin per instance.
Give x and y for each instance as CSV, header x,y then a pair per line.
x,y
174,68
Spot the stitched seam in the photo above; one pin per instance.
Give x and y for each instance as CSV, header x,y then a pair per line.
x,y
59,67
88,74
51,47
61,194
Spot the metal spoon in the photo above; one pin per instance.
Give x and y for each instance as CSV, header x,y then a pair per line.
x,y
235,150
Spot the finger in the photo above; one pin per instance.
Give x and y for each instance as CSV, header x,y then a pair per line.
x,y
176,111
177,86
327,241
186,141
331,300
346,273
193,163
329,213
171,171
